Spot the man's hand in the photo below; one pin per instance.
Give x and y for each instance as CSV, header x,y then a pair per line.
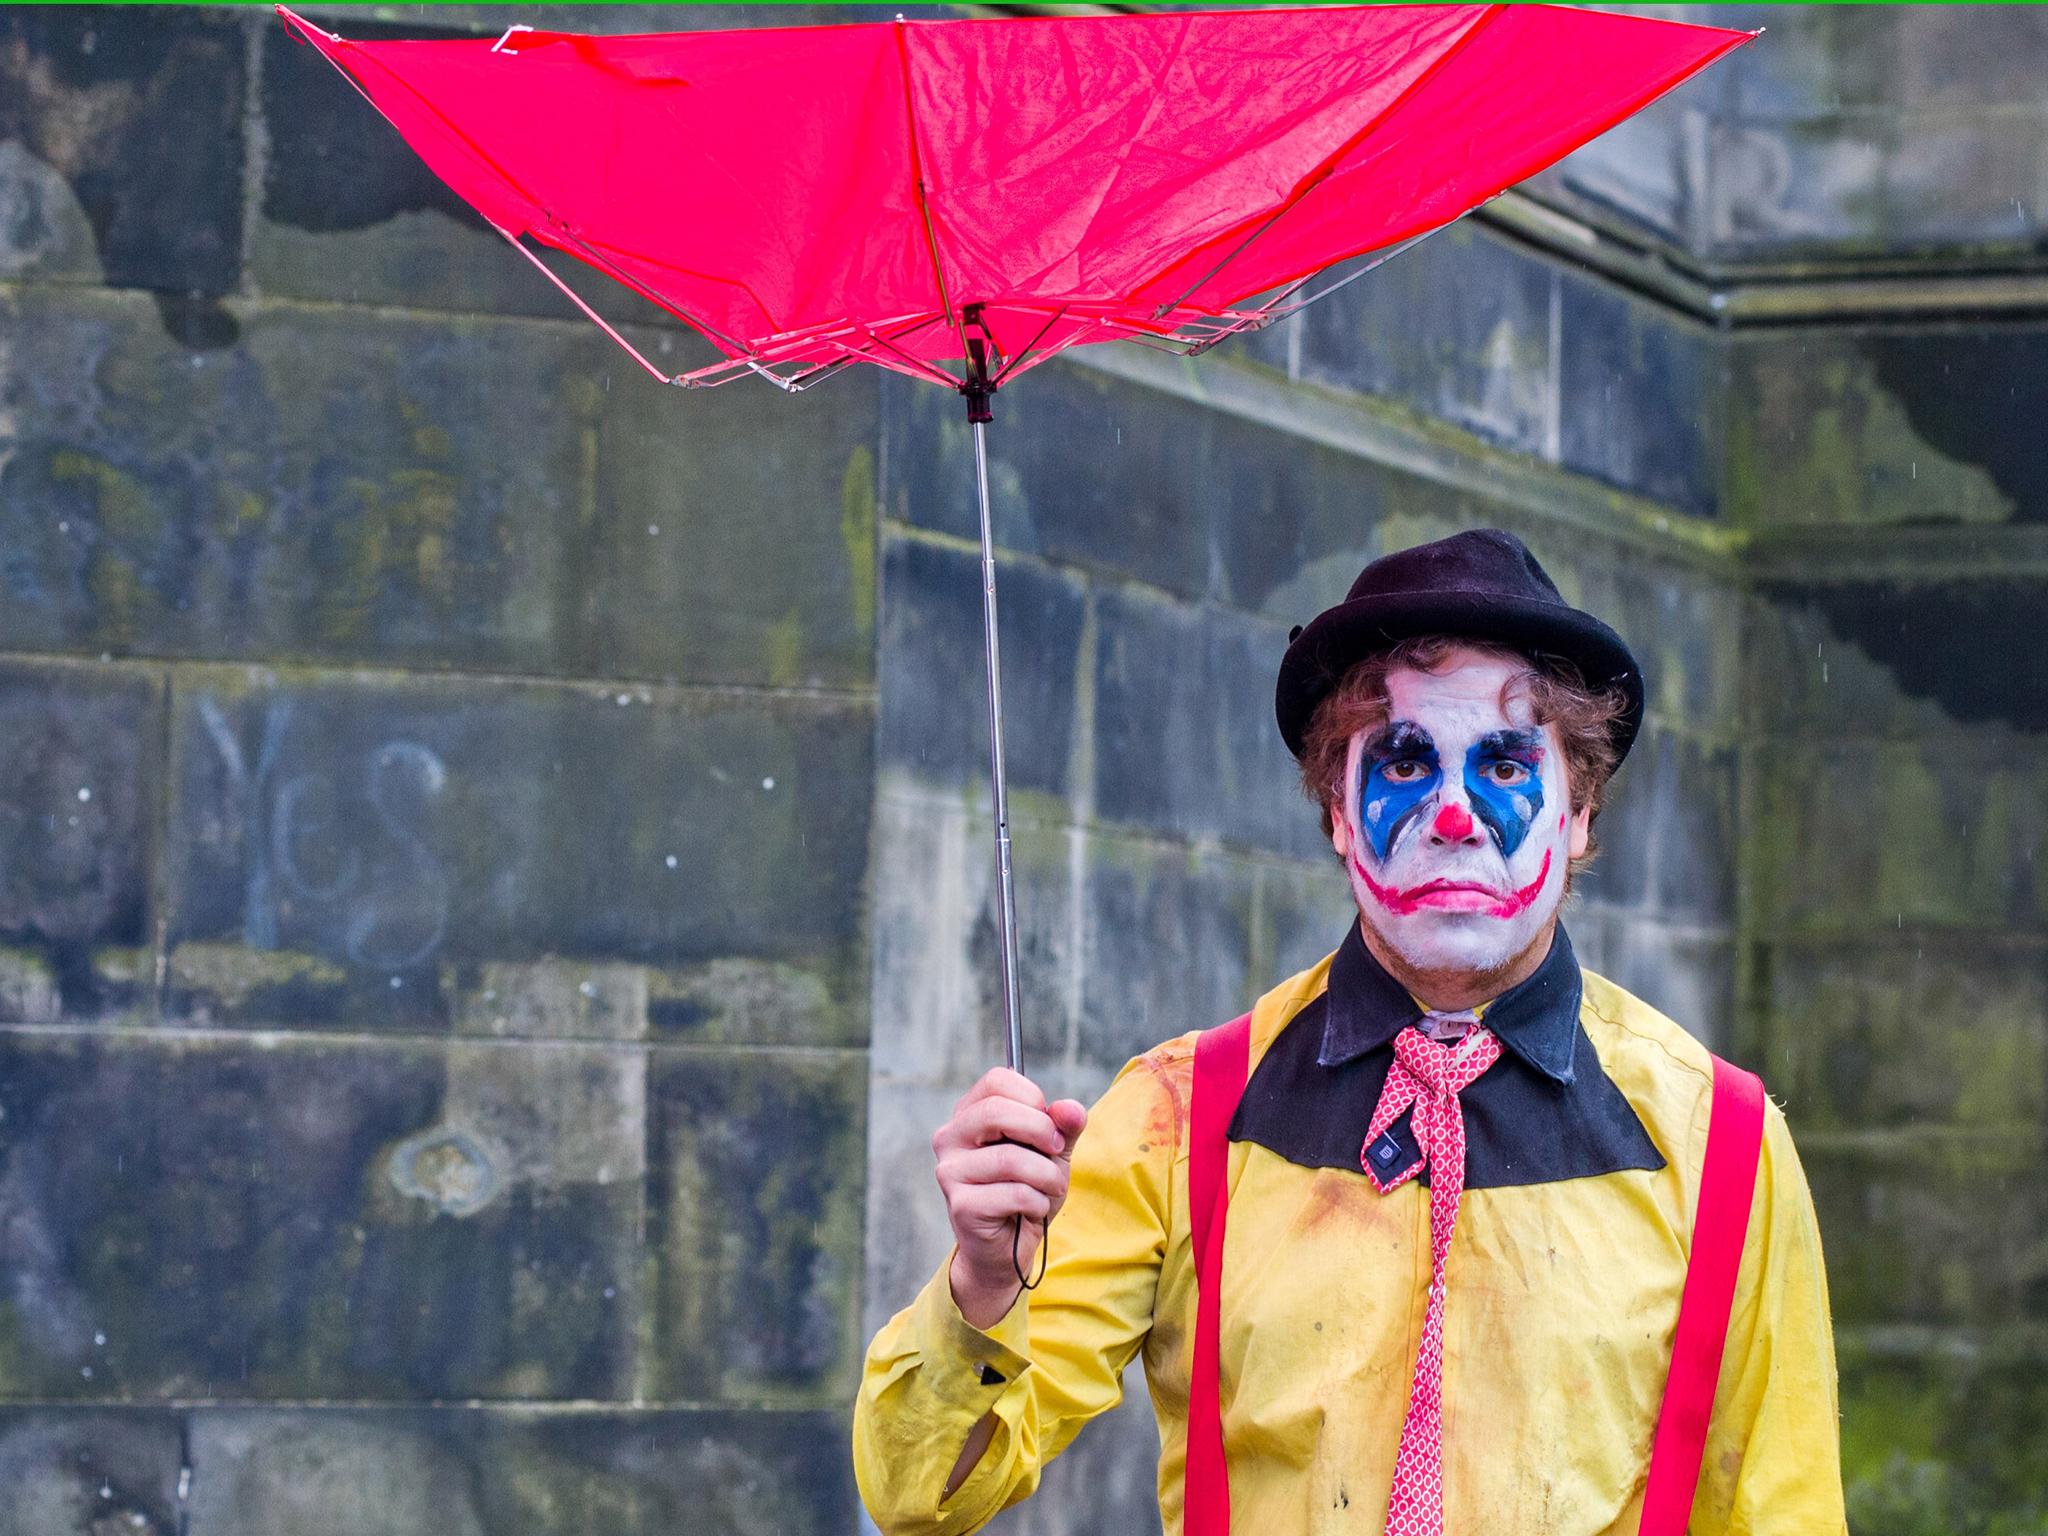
x,y
1005,1153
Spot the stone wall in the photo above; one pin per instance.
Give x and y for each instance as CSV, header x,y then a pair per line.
x,y
494,858
435,798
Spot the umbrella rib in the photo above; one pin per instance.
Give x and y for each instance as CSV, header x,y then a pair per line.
x,y
1025,351
924,210
1331,161
577,299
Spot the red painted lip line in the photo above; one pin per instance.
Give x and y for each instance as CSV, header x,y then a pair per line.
x,y
1415,898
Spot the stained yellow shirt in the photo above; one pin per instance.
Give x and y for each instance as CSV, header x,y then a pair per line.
x,y
1562,1300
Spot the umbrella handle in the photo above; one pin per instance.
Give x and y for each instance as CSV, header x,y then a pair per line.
x,y
1006,893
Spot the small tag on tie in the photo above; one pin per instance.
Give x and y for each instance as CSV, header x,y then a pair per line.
x,y
1384,1153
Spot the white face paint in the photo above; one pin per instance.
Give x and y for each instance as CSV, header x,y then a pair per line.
x,y
1456,827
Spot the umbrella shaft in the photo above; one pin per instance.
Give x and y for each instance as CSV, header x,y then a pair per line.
x,y
1006,894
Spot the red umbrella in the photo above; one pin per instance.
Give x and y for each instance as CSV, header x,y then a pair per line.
x,y
961,200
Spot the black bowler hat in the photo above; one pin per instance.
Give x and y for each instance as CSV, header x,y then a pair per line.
x,y
1480,585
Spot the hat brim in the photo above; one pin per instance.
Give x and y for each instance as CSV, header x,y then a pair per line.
x,y
1347,634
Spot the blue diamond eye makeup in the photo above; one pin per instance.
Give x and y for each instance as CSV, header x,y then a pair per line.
x,y
1504,781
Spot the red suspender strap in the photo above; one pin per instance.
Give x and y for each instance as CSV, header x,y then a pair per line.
x,y
1222,1058
1735,1129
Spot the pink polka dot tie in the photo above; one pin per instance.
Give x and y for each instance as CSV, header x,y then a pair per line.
x,y
1430,1076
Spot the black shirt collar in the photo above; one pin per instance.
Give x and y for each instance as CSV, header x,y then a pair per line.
x,y
1537,1019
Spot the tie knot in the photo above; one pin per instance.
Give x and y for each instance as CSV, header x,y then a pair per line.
x,y
1442,1068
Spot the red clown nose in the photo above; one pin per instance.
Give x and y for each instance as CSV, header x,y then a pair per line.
x,y
1454,822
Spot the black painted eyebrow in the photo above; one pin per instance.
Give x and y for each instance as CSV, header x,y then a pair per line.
x,y
1521,742
1401,738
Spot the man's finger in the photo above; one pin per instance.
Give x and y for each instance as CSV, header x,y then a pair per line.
x,y
1005,1163
994,1120
1001,1082
1070,1117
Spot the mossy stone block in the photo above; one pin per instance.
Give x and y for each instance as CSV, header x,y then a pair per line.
x,y
212,1217
364,846
134,127
80,774
1185,742
1939,832
934,693
754,1227
1884,1032
509,1471
1933,1230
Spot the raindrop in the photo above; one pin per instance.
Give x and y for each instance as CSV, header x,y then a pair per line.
x,y
625,698
106,1490
670,861
84,793
100,1339
653,529
768,783
397,982
587,989
85,1371
63,525
610,1291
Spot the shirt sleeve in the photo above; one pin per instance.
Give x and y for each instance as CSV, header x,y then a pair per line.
x,y
1054,1362
1773,1462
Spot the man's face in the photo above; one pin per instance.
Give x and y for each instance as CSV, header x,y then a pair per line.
x,y
1456,823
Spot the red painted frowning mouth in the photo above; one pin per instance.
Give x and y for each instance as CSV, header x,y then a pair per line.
x,y
1455,895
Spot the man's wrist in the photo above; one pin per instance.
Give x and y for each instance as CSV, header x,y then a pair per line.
x,y
982,1301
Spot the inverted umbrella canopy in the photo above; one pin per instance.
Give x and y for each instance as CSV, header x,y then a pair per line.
x,y
805,196
961,200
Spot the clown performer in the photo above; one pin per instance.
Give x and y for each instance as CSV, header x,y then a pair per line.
x,y
1449,1234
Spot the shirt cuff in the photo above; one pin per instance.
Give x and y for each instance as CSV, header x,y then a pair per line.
x,y
962,1362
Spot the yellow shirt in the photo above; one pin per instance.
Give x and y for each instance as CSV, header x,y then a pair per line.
x,y
1562,1299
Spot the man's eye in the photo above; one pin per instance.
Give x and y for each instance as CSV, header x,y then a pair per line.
x,y
1405,771
1508,771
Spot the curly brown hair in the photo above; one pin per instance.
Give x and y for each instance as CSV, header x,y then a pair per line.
x,y
1557,692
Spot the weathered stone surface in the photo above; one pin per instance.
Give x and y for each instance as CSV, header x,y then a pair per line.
x,y
1650,169
1169,936
465,492
71,1472
1944,832
1903,656
1640,396
137,126
1667,832
301,1219
334,486
1184,735
1887,427
80,775
934,701
732,537
1093,471
1799,187
754,1226
519,1472
1835,660
1933,1231
938,1003
1458,329
1973,182
353,846
1886,1031
1941,1441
